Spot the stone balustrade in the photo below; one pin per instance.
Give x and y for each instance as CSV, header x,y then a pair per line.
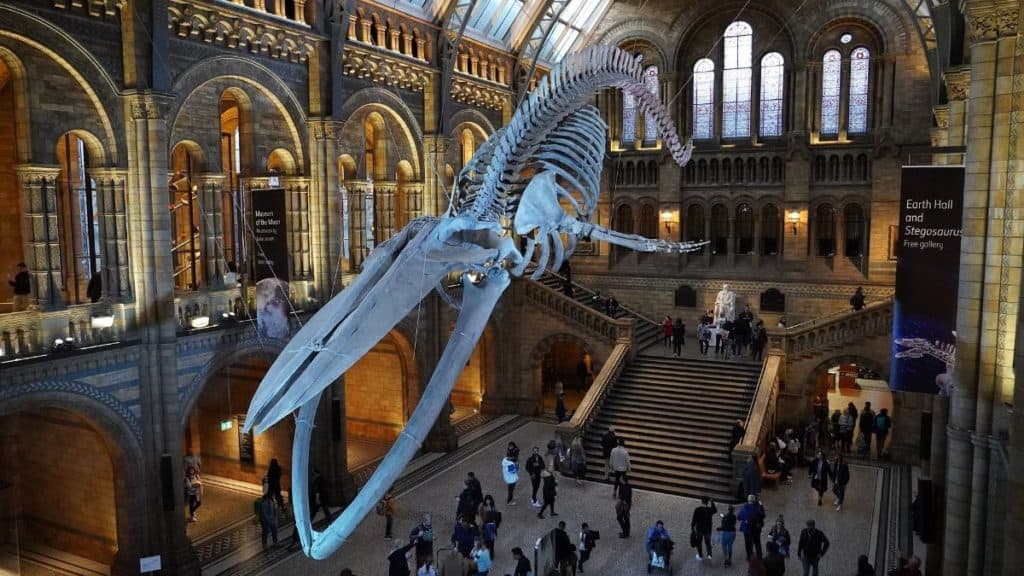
x,y
832,331
760,421
596,393
584,316
37,332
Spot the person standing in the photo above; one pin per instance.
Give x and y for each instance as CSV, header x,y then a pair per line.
x,y
192,459
464,536
841,477
534,466
389,513
857,300
738,431
608,443
751,519
268,518
560,408
622,507
678,337
727,529
490,518
273,481
883,423
702,522
481,556
759,339
819,472
846,424
703,338
398,559
194,492
523,567
864,568
512,452
318,497
564,550
813,545
548,492
752,476
510,473
577,460
666,331
867,426
588,539
21,286
424,535
619,461
779,535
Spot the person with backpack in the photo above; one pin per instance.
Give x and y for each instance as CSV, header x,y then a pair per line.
x,y
867,426
883,423
751,519
510,473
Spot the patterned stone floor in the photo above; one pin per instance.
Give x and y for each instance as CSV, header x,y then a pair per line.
x,y
851,531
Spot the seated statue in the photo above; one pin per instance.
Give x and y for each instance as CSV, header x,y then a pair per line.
x,y
725,304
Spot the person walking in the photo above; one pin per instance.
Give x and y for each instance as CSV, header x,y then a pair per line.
x,y
751,519
819,472
577,460
857,300
608,443
267,513
193,491
523,567
510,473
759,339
883,423
727,533
813,545
398,559
840,478
548,492
678,337
619,461
623,504
738,431
490,518
867,426
701,523
564,550
780,536
774,561
273,482
666,331
534,466
464,535
21,287
588,540
846,424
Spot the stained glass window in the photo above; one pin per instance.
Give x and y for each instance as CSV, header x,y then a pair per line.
x,y
703,98
772,79
628,118
860,67
650,125
831,67
736,80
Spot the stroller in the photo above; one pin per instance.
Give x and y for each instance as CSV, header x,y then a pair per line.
x,y
661,557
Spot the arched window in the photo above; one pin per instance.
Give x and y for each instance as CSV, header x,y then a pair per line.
x,y
628,118
719,229
376,147
825,230
624,219
744,229
186,244
772,79
770,228
79,221
736,80
648,221
831,68
695,223
231,119
853,224
468,146
703,98
860,67
650,124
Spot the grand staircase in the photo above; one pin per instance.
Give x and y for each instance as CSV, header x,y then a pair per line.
x,y
676,416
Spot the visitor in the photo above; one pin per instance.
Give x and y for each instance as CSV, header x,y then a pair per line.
x,y
701,523
759,339
857,300
588,540
846,423
779,535
813,545
490,519
655,533
512,452
819,473
193,491
623,505
534,466
752,476
841,477
481,556
464,535
398,559
510,473
608,443
565,554
738,431
864,568
387,507
21,286
727,533
192,459
523,567
272,480
867,427
883,423
424,538
94,290
703,338
474,484
666,331
427,569
578,460
751,519
467,502
619,461
560,408
318,498
548,491
267,513
678,337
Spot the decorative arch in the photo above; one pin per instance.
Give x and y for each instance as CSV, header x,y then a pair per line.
x,y
225,355
474,117
22,113
393,107
654,33
879,366
880,37
539,349
281,160
93,147
193,149
347,166
245,128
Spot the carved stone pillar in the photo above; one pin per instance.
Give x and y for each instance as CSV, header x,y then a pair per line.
x,y
300,11
110,185
41,233
297,195
211,189
352,19
434,186
325,207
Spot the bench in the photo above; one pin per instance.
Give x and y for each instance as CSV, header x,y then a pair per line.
x,y
767,476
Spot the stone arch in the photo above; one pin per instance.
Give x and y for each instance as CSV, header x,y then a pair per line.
x,y
536,360
93,147
193,149
225,355
281,161
694,20
879,366
398,137
246,128
655,33
120,432
252,74
393,107
887,35
22,123
474,117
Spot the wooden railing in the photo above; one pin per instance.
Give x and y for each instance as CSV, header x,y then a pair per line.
x,y
598,391
760,420
832,330
582,315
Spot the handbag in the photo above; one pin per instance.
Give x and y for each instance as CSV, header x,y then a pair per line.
x,y
694,539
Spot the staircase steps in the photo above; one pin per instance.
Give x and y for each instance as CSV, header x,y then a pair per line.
x,y
676,415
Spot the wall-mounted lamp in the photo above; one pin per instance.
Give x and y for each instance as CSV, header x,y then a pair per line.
x,y
668,218
793,217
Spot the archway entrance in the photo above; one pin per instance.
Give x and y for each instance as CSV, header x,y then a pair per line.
x,y
232,464
58,501
852,379
10,197
567,364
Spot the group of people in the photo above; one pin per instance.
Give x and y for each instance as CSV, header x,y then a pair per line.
x,y
732,338
843,426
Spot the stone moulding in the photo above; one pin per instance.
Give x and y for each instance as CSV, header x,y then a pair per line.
x,y
231,29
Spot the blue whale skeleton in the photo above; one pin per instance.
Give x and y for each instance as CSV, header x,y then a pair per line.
x,y
556,138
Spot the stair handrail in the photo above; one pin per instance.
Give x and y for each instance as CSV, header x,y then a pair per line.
x,y
836,328
586,290
837,315
605,326
760,421
596,394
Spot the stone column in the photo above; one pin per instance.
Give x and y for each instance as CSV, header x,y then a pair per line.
x,y
325,208
112,216
297,198
211,188
1013,502
41,233
435,199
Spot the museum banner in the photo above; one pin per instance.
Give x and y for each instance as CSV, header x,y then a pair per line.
x,y
927,272
269,215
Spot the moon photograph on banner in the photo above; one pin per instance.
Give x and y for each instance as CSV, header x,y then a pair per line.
x,y
271,269
927,273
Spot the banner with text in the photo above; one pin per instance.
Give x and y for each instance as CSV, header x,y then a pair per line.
x,y
271,259
927,272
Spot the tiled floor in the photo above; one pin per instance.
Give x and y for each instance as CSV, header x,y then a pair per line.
x,y
850,531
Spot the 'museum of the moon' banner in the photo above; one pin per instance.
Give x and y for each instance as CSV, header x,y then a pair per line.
x,y
927,272
271,272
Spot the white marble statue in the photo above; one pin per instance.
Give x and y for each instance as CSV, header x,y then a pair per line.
x,y
725,305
